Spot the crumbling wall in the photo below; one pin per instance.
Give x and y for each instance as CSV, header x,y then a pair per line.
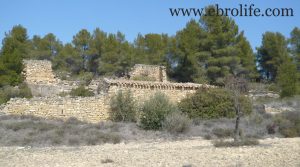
x,y
42,81
157,73
39,72
142,90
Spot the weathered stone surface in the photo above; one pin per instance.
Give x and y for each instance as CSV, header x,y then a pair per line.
x,y
89,109
41,80
142,90
158,73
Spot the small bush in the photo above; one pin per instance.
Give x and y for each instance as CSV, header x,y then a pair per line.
x,y
222,133
212,103
8,92
273,88
176,122
81,91
85,77
155,110
271,128
123,107
244,142
107,160
24,91
31,131
288,123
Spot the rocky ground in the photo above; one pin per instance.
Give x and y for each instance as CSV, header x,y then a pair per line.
x,y
195,152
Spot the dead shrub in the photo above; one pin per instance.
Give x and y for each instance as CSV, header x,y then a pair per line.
x,y
176,122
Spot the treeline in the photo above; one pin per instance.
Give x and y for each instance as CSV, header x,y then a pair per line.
x,y
206,51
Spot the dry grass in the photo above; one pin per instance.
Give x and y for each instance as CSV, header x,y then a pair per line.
x,y
32,131
244,142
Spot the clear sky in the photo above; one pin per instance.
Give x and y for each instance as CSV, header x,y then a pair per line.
x,y
65,18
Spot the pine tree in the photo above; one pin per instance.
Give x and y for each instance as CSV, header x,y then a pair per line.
x,y
247,58
69,60
116,57
82,42
189,55
14,49
151,49
295,46
287,78
222,34
44,48
272,54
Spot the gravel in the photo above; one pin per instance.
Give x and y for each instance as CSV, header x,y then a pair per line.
x,y
194,152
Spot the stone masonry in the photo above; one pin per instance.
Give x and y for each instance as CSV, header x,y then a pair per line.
x,y
42,81
91,109
157,73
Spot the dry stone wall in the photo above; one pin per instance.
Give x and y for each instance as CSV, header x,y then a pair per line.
x,y
42,81
89,109
157,73
95,109
39,72
142,90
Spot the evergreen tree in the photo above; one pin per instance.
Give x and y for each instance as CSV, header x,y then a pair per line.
x,y
82,42
14,49
69,60
44,48
116,56
295,46
247,58
222,35
272,54
188,56
96,50
287,78
295,50
151,49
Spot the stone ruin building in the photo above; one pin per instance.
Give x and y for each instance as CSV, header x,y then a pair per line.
x,y
46,88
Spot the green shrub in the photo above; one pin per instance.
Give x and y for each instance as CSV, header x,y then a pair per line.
x,y
123,107
24,91
212,103
289,124
81,91
8,92
155,110
273,88
85,77
176,122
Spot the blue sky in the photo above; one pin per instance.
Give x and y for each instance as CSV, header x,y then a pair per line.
x,y
65,18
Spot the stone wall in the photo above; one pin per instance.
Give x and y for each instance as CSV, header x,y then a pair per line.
x,y
39,72
142,90
157,73
41,80
95,109
89,109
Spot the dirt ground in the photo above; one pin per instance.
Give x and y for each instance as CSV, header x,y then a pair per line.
x,y
195,152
